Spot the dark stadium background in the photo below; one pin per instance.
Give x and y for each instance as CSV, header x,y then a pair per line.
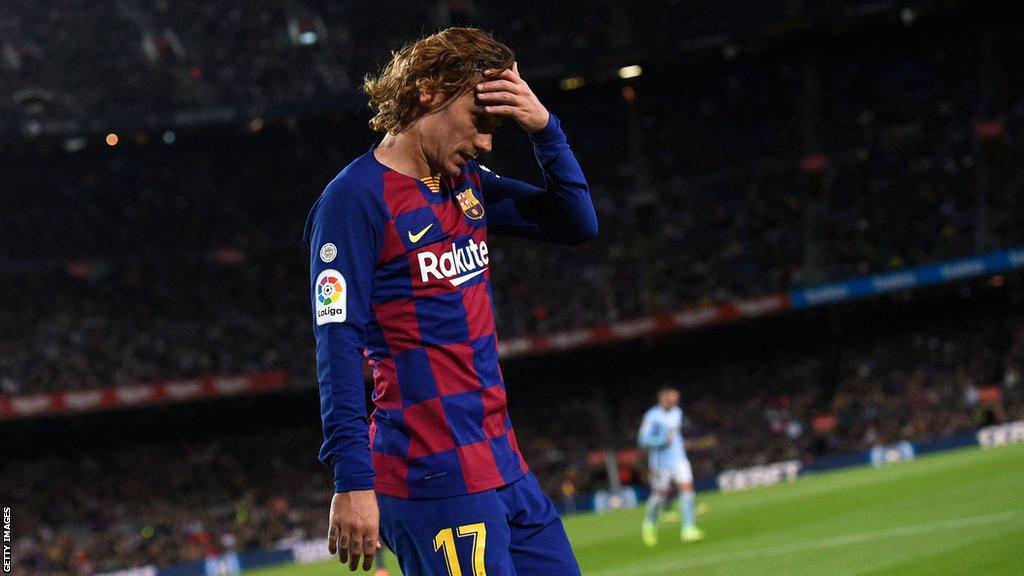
x,y
157,161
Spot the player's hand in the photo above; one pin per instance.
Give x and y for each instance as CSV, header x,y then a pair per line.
x,y
505,93
354,528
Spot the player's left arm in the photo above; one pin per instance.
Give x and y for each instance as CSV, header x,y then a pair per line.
x,y
650,435
562,210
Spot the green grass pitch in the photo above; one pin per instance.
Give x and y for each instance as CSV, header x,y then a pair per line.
x,y
959,512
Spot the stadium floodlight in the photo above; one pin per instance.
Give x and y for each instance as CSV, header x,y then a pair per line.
x,y
571,83
627,72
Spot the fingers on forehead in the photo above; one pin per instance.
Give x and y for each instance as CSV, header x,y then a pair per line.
x,y
485,116
492,73
498,84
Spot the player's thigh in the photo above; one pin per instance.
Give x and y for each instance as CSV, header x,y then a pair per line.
x,y
467,535
539,545
660,479
683,473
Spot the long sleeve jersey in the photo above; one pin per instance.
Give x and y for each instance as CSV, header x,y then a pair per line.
x,y
400,273
661,433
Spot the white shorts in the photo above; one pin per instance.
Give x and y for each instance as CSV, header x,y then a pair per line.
x,y
662,478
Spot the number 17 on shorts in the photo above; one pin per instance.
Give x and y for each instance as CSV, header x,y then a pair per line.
x,y
444,542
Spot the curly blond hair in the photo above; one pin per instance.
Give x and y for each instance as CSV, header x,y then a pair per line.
x,y
447,62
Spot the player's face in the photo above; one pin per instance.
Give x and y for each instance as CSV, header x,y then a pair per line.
x,y
669,398
456,132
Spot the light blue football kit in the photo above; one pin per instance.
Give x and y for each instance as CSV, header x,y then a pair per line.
x,y
661,433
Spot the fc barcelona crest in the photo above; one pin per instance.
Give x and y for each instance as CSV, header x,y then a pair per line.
x,y
471,207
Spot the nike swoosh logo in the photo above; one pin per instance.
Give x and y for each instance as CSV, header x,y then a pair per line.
x,y
466,278
414,238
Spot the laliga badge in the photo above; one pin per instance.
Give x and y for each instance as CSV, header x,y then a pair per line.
x,y
330,296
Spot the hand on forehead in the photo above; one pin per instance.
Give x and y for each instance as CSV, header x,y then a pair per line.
x,y
494,80
485,119
504,93
507,73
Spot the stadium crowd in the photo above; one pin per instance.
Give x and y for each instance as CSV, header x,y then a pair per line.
x,y
262,490
175,257
917,383
161,56
715,207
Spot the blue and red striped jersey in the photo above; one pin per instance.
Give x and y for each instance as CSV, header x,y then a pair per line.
x,y
400,273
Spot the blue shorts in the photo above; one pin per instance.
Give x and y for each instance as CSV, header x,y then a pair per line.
x,y
509,531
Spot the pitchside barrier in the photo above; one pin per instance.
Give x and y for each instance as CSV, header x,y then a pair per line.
x,y
308,551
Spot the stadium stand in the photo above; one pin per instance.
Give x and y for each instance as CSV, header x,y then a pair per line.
x,y
165,55
724,212
263,488
808,147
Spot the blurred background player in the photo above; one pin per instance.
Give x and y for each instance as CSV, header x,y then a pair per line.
x,y
661,433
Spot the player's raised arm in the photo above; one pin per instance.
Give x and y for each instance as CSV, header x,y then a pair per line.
x,y
343,245
562,210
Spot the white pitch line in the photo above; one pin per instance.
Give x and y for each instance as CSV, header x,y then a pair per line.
x,y
832,542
